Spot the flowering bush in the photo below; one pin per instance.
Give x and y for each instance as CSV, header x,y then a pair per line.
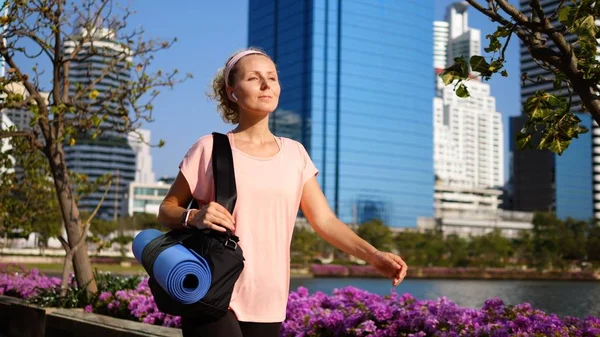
x,y
18,282
328,270
363,271
353,312
347,312
137,304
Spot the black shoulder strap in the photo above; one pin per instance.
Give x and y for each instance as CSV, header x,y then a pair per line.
x,y
223,172
225,195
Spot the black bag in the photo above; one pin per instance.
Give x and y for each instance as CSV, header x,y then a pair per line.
x,y
220,250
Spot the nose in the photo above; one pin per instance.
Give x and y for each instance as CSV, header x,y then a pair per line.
x,y
264,85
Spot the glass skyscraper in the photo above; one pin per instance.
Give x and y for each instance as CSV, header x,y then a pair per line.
x,y
356,91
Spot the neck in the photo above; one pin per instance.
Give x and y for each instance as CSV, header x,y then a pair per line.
x,y
254,129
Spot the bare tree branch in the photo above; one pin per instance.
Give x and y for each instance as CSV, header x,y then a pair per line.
x,y
553,16
58,51
64,243
489,12
89,220
535,5
45,48
33,138
519,17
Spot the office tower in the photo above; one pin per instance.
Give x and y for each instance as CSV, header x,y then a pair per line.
x,y
355,93
140,143
5,145
468,134
110,153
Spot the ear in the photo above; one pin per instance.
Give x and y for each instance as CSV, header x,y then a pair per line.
x,y
231,95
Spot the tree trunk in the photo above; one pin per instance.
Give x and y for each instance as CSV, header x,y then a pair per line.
x,y
70,212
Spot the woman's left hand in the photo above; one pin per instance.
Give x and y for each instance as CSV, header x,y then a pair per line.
x,y
390,265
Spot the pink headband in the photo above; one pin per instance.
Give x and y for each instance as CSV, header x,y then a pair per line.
x,y
235,59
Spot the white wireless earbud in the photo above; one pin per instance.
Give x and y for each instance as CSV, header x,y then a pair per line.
x,y
234,97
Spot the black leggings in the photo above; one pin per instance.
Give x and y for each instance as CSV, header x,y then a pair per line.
x,y
228,326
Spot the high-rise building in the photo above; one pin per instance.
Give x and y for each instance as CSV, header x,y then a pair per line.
x,y
139,142
5,124
541,180
468,137
22,117
468,134
462,40
355,94
441,36
110,153
146,197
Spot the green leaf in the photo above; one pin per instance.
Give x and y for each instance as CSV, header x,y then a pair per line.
x,y
504,73
545,139
538,106
585,28
582,129
96,120
559,145
161,143
565,16
462,91
457,71
479,64
449,77
523,140
503,31
494,44
557,83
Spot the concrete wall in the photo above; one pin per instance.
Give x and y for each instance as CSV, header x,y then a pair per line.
x,y
19,319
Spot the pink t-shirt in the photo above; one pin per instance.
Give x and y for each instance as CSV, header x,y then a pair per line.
x,y
268,198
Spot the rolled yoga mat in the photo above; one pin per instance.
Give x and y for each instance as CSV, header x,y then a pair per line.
x,y
181,272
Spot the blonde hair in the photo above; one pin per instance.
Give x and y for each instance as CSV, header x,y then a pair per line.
x,y
227,108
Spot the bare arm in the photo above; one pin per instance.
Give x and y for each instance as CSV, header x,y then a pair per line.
x,y
331,229
173,206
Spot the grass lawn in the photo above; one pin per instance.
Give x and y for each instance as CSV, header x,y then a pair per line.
x,y
56,268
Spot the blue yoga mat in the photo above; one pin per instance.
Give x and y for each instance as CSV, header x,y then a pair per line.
x,y
181,272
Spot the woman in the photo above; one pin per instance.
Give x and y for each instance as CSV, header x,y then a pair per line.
x,y
274,176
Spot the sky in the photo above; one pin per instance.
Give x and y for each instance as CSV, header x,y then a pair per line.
x,y
208,32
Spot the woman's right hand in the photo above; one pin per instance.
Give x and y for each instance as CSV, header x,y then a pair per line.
x,y
212,216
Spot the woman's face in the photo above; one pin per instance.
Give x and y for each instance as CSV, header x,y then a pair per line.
x,y
256,86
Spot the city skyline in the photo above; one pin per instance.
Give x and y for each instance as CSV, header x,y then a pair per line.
x,y
205,121
184,114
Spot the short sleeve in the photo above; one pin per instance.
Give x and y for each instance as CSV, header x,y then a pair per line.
x,y
309,170
195,169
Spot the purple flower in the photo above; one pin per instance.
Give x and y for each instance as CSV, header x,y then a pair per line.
x,y
347,312
105,296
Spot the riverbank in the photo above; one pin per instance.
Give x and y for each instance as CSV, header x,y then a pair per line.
x,y
331,270
470,273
